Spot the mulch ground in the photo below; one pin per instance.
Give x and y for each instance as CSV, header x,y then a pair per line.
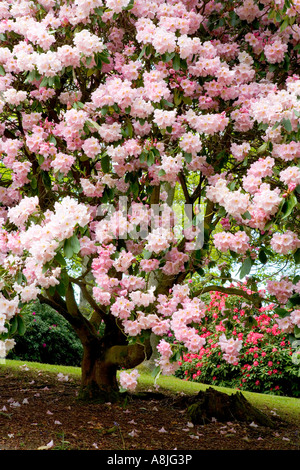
x,y
40,411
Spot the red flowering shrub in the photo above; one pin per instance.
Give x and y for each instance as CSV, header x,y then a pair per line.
x,y
264,363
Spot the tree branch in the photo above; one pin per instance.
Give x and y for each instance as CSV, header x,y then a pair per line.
x,y
89,298
254,299
184,188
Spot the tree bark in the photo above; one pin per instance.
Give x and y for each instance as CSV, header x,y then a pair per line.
x,y
98,376
100,365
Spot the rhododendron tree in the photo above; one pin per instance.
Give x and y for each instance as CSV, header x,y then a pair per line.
x,y
108,106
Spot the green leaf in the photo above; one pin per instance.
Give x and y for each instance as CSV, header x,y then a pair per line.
x,y
68,248
21,326
52,140
246,215
167,56
46,179
129,129
150,158
167,103
294,300
60,259
19,278
287,125
296,279
177,97
13,325
188,157
176,62
135,189
104,110
246,267
147,254
155,371
31,76
94,124
129,6
142,52
71,246
297,256
143,157
187,100
44,82
105,163
201,272
234,18
75,243
282,312
63,284
284,24
289,206
2,70
104,56
262,256
297,332
61,289
262,148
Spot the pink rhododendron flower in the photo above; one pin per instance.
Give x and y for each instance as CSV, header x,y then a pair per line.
x,y
128,381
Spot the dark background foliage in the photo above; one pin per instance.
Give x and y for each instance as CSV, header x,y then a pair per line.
x,y
49,338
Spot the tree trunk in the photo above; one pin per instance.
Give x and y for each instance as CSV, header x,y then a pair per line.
x,y
100,365
98,376
102,356
150,364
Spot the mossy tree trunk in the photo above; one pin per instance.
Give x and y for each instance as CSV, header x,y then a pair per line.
x,y
100,365
103,355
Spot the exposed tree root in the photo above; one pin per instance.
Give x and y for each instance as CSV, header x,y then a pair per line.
x,y
214,404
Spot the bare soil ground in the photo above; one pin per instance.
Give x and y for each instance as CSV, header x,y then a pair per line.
x,y
38,411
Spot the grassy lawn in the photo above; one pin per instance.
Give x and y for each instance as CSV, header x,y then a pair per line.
x,y
286,407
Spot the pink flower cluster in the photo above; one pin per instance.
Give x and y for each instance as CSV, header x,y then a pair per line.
x,y
237,242
282,289
284,243
291,176
287,151
175,260
42,241
240,151
231,348
129,380
159,240
267,199
165,364
19,214
192,312
191,143
8,308
171,166
275,51
288,323
235,203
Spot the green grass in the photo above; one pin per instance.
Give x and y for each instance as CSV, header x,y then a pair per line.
x,y
66,370
286,407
